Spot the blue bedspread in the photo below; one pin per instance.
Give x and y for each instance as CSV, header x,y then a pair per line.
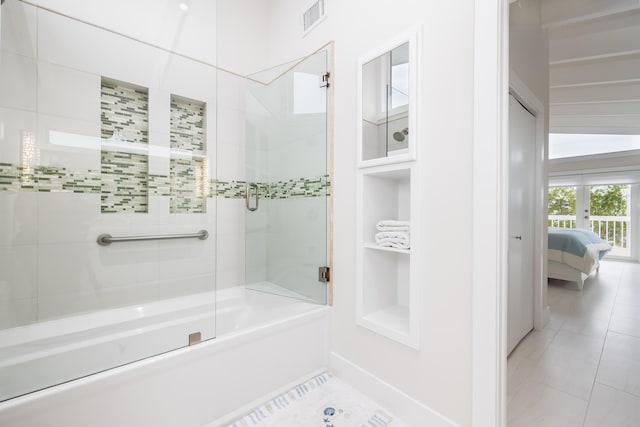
x,y
578,248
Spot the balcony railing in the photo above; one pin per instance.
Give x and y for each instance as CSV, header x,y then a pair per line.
x,y
613,229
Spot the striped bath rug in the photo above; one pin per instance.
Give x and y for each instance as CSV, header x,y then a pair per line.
x,y
323,401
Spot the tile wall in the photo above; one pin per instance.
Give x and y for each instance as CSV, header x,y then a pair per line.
x,y
56,171
62,182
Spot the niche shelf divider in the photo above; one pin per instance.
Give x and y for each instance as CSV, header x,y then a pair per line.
x,y
387,300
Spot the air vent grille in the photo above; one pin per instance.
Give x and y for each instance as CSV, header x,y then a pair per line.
x,y
313,15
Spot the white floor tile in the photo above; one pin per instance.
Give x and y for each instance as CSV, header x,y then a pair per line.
x,y
587,359
567,371
620,364
625,318
539,405
611,408
534,344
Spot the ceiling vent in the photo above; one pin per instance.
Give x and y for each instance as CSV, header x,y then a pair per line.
x,y
313,16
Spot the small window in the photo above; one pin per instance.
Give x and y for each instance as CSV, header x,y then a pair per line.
x,y
563,145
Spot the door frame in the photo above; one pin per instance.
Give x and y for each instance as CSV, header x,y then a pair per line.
x,y
490,211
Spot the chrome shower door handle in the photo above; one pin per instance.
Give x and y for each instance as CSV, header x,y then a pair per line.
x,y
254,186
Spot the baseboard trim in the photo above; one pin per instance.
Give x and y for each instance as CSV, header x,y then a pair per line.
x,y
409,410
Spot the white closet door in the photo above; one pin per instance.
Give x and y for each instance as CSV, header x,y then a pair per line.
x,y
522,133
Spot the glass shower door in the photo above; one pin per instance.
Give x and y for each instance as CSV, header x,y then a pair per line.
x,y
287,180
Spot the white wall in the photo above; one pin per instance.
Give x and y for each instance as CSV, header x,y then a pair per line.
x,y
439,375
529,47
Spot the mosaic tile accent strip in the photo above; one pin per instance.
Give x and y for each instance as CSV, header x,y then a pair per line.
x,y
237,189
323,401
48,179
124,112
124,183
187,125
190,186
15,177
301,187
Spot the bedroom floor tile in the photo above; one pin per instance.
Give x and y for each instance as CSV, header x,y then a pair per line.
x,y
612,407
620,363
583,368
625,319
539,405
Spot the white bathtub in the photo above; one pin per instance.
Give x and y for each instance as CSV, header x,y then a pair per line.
x,y
263,342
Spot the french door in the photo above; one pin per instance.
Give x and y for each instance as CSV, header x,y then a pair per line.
x,y
604,209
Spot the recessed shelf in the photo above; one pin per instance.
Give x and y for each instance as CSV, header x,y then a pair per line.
x,y
394,319
387,249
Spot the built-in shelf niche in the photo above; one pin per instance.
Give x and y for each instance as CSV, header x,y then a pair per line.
x,y
124,128
190,180
386,285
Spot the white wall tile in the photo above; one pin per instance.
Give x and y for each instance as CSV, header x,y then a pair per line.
x,y
159,111
17,82
82,269
59,305
17,312
186,286
189,79
297,244
159,153
162,22
75,45
69,93
71,218
230,259
14,124
18,218
18,267
18,28
231,91
230,145
69,143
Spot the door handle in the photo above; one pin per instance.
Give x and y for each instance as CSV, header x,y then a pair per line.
x,y
517,237
247,195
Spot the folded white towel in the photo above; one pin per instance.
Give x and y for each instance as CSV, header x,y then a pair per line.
x,y
392,225
393,239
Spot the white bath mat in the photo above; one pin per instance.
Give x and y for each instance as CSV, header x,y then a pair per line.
x,y
323,401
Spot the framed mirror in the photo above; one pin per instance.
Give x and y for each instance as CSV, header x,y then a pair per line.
x,y
387,103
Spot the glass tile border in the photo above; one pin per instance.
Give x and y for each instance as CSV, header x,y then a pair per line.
x,y
17,178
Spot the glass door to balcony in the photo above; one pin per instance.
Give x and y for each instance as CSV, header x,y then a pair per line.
x,y
609,215
603,209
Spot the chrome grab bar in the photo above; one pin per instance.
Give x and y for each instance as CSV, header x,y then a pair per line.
x,y
107,239
251,185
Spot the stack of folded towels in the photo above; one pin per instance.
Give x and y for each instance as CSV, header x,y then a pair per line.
x,y
393,234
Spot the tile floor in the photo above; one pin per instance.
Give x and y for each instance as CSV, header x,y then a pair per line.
x,y
322,401
583,369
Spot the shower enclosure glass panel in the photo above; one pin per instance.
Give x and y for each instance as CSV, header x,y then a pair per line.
x,y
101,134
286,236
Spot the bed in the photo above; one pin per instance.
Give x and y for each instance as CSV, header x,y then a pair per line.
x,y
574,254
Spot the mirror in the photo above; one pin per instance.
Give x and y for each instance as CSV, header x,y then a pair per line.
x,y
385,104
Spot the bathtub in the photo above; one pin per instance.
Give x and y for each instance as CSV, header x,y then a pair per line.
x,y
263,343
